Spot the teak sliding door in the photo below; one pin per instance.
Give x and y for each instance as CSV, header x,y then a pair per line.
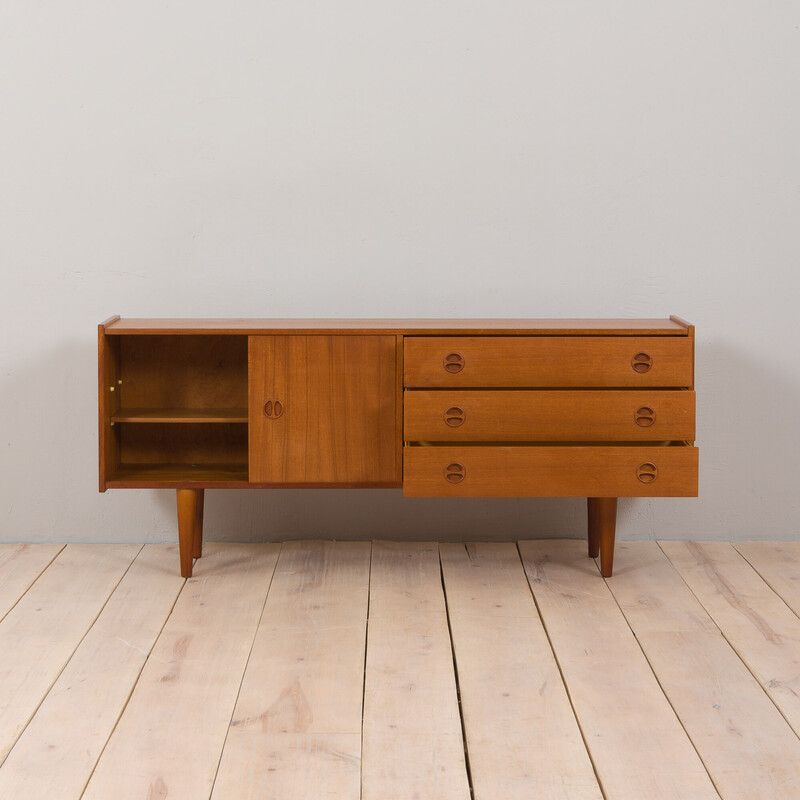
x,y
322,409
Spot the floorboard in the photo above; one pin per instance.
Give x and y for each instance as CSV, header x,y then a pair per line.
x,y
58,750
748,748
778,564
20,566
400,671
169,740
762,629
639,748
296,730
40,634
412,740
522,737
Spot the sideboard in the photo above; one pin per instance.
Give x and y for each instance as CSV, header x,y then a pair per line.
x,y
438,407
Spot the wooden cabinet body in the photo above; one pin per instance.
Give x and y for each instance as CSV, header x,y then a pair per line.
x,y
441,408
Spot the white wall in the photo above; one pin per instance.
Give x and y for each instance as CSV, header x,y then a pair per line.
x,y
299,158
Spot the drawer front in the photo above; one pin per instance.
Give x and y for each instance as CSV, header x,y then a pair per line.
x,y
548,361
550,471
473,415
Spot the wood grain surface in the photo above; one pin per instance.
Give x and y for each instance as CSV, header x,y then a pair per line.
x,y
565,327
637,743
58,750
548,471
522,738
20,566
296,729
746,745
757,623
169,740
39,635
336,419
535,361
547,415
412,741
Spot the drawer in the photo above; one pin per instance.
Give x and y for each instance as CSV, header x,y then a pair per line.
x,y
474,415
550,471
548,361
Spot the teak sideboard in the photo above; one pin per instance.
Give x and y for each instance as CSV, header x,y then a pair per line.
x,y
440,408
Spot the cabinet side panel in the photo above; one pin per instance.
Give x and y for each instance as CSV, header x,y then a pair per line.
x,y
399,401
107,404
322,409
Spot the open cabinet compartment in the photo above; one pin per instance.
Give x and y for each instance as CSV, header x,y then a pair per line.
x,y
183,374
175,408
168,451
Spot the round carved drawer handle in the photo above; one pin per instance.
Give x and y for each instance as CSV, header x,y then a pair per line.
x,y
454,417
641,362
455,472
273,409
453,363
647,472
644,416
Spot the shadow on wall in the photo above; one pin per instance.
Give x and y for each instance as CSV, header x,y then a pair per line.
x,y
385,514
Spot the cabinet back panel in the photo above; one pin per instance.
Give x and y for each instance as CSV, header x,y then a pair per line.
x,y
170,443
183,371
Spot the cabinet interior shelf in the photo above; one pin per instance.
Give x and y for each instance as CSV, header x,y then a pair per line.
x,y
169,473
187,415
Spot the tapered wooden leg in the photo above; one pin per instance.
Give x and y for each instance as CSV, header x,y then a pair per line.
x,y
602,531
594,531
187,522
197,545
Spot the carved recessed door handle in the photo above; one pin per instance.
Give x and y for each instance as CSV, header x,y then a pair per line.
x,y
453,363
455,472
273,409
647,472
454,417
641,362
644,416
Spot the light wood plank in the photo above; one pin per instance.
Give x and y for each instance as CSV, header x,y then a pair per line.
x,y
169,739
778,563
747,747
20,566
39,635
296,730
287,765
58,750
412,741
637,744
762,629
522,738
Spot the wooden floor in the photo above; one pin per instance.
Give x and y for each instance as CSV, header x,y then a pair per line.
x,y
399,671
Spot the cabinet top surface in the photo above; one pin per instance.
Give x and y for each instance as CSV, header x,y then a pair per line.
x,y
413,327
